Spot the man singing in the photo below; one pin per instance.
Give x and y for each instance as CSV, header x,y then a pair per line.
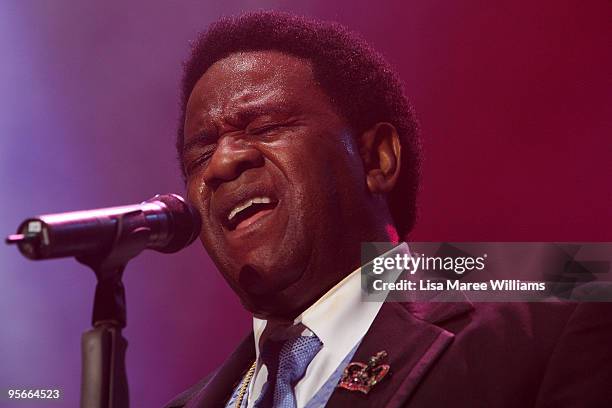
x,y
297,144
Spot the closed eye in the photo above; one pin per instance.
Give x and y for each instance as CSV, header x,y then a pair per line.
x,y
271,127
263,129
201,160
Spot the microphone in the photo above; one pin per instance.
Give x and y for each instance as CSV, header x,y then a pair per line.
x,y
167,223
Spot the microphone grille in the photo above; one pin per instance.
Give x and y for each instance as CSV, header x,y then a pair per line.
x,y
185,219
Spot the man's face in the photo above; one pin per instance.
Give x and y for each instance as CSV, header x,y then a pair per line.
x,y
276,175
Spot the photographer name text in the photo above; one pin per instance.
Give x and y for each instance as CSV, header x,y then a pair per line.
x,y
431,285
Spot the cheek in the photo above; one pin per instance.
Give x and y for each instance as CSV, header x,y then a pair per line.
x,y
197,196
332,165
193,194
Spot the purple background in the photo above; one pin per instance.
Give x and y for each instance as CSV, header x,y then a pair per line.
x,y
514,99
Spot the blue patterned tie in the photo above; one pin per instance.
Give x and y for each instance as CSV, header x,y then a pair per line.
x,y
286,362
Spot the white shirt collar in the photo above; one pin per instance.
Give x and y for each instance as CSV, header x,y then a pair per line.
x,y
339,319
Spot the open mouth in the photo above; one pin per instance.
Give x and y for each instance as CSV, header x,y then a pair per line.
x,y
247,212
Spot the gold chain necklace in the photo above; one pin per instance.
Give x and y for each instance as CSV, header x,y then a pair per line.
x,y
245,385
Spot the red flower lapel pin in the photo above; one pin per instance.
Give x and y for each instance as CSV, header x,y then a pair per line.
x,y
362,377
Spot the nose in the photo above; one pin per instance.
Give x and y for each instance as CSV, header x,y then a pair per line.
x,y
233,156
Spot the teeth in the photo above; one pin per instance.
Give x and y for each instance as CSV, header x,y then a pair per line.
x,y
247,204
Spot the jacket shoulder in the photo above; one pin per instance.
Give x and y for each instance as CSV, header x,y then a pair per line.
x,y
182,399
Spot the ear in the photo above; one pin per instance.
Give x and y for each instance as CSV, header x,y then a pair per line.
x,y
380,150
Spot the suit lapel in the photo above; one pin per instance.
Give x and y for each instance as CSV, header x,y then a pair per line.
x,y
409,333
221,385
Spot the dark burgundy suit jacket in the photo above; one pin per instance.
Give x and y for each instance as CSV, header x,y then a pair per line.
x,y
466,355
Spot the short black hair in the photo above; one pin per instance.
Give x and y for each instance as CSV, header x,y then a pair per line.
x,y
359,82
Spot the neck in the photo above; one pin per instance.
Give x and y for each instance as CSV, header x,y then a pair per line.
x,y
325,270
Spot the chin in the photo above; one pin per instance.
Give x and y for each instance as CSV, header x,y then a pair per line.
x,y
267,278
267,270
266,288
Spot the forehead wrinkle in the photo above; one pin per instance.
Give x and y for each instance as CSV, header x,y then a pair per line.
x,y
257,101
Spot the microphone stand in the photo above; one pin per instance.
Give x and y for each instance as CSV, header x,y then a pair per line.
x,y
103,374
166,223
